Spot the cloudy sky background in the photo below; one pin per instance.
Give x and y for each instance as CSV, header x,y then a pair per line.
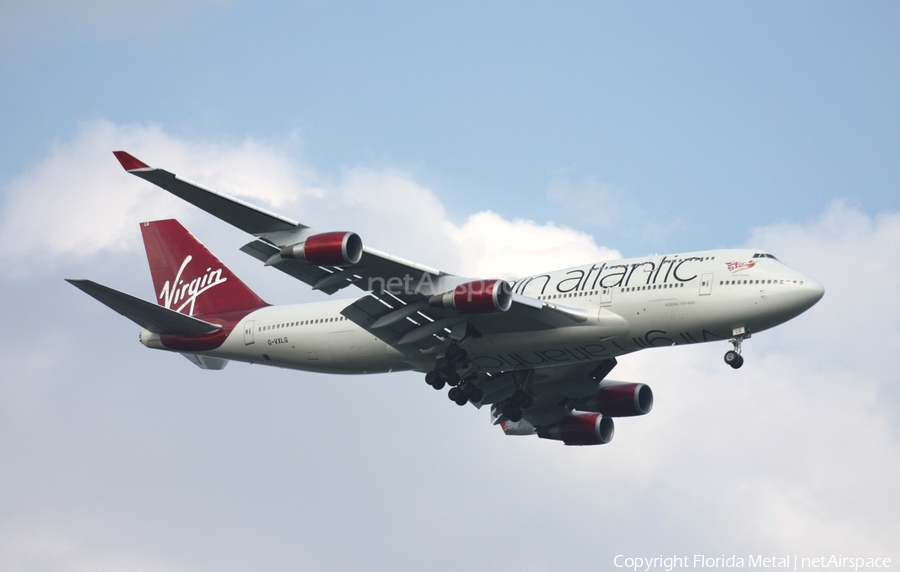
x,y
483,140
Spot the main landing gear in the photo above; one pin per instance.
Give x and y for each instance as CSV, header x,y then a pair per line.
x,y
733,357
446,372
521,398
519,401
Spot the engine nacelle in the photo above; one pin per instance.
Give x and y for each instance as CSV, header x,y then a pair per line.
x,y
478,297
327,249
619,399
579,428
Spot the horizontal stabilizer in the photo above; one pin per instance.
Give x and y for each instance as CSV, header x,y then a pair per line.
x,y
154,318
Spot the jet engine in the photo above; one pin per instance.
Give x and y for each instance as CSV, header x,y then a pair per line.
x,y
327,249
619,399
478,297
579,428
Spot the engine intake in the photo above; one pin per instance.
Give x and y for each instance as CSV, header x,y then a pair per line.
x,y
327,249
478,297
619,399
578,428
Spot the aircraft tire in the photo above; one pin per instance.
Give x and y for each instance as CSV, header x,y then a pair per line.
x,y
512,412
444,364
734,359
452,378
472,392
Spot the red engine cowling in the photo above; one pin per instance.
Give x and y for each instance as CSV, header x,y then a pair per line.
x,y
578,428
619,399
327,249
478,297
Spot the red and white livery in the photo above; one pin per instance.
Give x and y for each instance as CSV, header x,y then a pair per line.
x,y
538,350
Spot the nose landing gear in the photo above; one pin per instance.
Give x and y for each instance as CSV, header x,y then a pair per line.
x,y
733,357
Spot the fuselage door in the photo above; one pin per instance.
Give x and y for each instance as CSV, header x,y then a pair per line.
x,y
706,284
606,297
248,332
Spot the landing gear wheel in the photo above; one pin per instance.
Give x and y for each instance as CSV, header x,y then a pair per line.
x,y
475,394
431,377
445,365
512,413
455,354
451,378
734,359
522,399
456,395
438,384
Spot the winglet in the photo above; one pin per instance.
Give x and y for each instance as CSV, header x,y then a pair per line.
x,y
129,163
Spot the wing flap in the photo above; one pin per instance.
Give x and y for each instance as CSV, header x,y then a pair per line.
x,y
154,318
404,323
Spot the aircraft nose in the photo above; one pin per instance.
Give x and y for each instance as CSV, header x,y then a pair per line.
x,y
814,290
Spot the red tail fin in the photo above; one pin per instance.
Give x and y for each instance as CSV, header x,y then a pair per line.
x,y
188,278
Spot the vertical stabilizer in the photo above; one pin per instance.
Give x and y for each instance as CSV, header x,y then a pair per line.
x,y
188,278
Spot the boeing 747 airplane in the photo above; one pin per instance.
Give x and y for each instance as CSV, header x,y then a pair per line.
x,y
537,350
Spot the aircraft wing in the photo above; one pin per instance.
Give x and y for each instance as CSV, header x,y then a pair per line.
x,y
245,216
274,232
409,324
374,269
405,320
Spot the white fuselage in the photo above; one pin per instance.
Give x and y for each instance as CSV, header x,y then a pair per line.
x,y
632,304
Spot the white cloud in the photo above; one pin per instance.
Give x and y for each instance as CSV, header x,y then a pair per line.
x,y
853,255
79,202
493,246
